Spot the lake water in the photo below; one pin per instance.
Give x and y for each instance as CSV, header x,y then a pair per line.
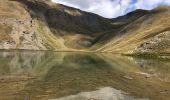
x,y
28,75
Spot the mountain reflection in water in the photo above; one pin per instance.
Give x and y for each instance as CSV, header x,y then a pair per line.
x,y
106,93
32,75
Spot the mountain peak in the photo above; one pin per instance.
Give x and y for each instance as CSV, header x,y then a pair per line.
x,y
161,9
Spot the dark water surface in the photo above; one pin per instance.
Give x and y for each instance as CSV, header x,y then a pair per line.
x,y
28,75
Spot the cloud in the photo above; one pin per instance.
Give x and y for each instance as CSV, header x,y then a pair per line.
x,y
113,8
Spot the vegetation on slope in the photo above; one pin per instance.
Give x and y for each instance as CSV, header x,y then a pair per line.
x,y
138,31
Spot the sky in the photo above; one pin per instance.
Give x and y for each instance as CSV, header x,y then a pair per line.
x,y
113,8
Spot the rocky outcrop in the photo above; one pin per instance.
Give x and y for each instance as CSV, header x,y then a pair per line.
x,y
159,44
23,34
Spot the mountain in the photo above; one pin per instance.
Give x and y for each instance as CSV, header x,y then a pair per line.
x,y
43,25
148,33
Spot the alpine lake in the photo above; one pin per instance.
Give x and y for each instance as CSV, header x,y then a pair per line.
x,y
40,75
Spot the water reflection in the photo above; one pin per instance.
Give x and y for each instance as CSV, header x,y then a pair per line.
x,y
106,93
28,75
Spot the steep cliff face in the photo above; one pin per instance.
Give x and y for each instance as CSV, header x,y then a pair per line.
x,y
43,25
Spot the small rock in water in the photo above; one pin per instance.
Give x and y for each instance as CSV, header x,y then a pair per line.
x,y
164,91
128,77
92,99
144,74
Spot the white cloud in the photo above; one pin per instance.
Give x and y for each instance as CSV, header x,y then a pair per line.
x,y
112,8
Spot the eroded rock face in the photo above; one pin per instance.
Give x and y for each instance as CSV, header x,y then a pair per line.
x,y
23,34
22,28
158,43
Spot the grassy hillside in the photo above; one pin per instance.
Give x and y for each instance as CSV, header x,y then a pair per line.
x,y
137,32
